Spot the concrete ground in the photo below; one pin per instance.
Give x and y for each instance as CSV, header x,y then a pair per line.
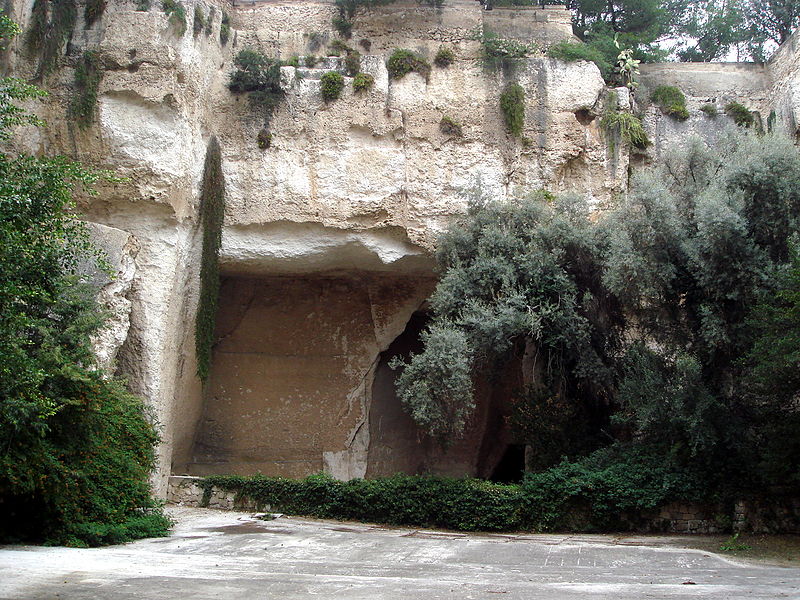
x,y
228,555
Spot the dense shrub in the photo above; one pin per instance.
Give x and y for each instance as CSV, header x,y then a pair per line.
x,y
626,126
444,57
512,103
402,62
574,51
77,447
352,63
671,101
332,86
260,77
601,493
740,114
363,82
83,103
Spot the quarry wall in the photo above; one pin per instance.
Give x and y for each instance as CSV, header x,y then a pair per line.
x,y
326,251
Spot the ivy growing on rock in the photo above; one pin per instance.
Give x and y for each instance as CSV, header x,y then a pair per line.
x,y
512,105
212,216
88,74
51,26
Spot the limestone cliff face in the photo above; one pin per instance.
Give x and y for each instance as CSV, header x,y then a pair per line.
x,y
328,233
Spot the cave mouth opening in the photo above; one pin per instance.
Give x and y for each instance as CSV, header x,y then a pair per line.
x,y
511,466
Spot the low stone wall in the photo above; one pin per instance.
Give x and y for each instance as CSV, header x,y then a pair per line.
x,y
777,515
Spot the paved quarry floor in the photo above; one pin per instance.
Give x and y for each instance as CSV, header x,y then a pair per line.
x,y
227,555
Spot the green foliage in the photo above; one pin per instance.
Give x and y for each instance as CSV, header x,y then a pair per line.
x,y
294,61
363,82
176,13
600,493
346,12
199,20
332,86
210,21
444,57
88,74
260,77
52,24
671,101
626,126
264,139
310,61
497,52
572,51
740,114
402,62
225,29
76,447
338,47
212,216
142,5
93,10
449,126
512,104
510,282
710,109
733,545
352,63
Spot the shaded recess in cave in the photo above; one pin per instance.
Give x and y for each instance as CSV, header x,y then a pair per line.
x,y
398,445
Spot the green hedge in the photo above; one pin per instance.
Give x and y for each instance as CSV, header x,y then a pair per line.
x,y
603,492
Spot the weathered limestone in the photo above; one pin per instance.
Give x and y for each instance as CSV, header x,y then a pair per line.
x,y
328,234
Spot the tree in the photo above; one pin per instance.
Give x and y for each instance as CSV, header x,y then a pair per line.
x,y
76,448
774,19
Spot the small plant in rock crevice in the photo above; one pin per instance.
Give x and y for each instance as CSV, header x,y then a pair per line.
x,y
627,126
402,62
740,114
332,86
512,104
224,29
450,126
264,139
176,13
671,101
709,109
362,82
444,57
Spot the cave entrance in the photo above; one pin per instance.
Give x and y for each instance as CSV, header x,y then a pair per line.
x,y
511,466
398,445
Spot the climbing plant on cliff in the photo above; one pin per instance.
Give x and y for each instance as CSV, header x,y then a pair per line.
x,y
52,23
83,103
212,214
75,447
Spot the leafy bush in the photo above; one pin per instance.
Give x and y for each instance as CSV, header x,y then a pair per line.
x,y
574,51
352,63
93,10
338,48
671,101
294,61
332,86
610,489
176,13
88,74
740,114
310,61
402,62
199,21
224,29
77,447
449,126
709,109
512,103
444,57
260,77
363,82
